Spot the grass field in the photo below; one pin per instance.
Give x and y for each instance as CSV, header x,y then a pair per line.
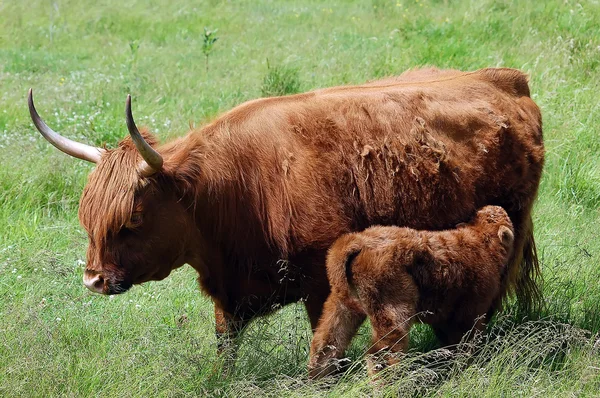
x,y
83,57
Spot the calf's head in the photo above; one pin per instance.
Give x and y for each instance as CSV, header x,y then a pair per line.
x,y
136,224
495,219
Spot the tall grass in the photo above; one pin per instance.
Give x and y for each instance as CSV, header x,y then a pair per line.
x,y
280,80
82,58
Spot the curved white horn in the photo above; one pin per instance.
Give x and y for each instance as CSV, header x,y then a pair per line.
x,y
152,160
73,148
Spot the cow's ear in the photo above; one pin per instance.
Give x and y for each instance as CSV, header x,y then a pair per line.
x,y
506,236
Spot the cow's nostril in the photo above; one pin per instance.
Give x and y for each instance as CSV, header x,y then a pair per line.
x,y
94,282
99,284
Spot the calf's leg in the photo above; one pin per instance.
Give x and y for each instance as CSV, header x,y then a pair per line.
x,y
340,320
391,326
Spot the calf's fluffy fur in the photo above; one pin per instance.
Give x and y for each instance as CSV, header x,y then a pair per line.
x,y
449,279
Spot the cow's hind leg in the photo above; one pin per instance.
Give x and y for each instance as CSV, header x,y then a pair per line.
x,y
452,332
340,320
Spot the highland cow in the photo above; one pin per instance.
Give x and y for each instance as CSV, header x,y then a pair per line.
x,y
447,279
254,199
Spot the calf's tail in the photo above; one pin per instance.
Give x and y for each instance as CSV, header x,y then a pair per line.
x,y
339,263
351,256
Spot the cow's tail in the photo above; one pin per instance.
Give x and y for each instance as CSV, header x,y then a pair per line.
x,y
525,273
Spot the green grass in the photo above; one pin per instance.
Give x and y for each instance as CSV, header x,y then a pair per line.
x,y
82,58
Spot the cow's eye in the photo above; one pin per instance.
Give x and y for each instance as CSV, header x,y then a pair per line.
x,y
135,220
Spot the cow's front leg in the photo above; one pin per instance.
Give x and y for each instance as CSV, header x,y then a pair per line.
x,y
314,308
228,328
339,323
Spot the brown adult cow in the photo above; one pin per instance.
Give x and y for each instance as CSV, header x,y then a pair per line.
x,y
254,199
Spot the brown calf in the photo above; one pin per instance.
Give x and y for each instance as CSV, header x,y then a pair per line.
x,y
448,279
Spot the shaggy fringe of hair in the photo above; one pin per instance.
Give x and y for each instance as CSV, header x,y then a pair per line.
x,y
108,198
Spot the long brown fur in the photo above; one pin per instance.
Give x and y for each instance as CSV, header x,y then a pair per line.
x,y
448,279
254,199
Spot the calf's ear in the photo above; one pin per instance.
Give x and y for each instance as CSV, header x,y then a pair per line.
x,y
506,236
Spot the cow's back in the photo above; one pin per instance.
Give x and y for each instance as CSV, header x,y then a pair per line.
x,y
424,154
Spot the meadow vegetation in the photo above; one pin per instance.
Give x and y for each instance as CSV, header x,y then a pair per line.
x,y
83,58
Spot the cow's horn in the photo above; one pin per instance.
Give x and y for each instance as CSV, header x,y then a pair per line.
x,y
73,148
152,160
